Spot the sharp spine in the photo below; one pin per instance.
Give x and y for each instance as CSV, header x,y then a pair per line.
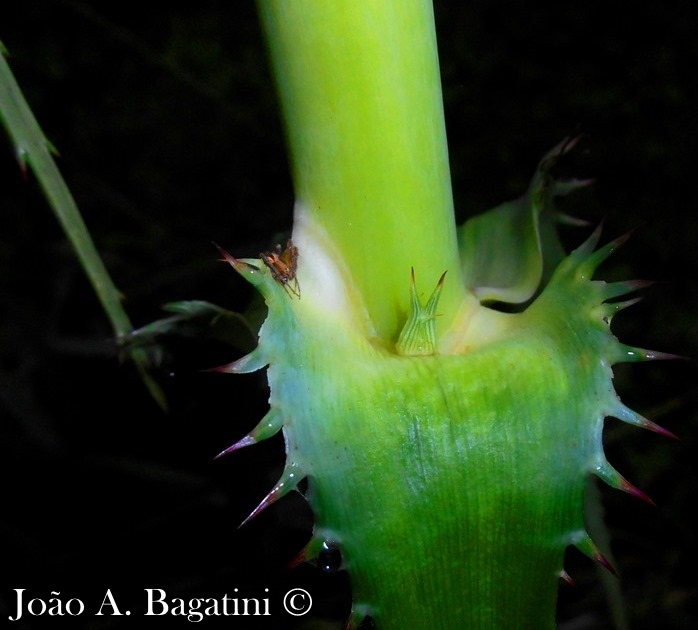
x,y
596,258
586,545
289,480
251,362
613,478
566,576
630,354
248,440
587,247
270,425
611,308
616,289
629,416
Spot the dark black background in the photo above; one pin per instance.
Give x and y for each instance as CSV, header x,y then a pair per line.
x,y
169,138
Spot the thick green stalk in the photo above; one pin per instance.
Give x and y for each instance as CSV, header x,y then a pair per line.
x,y
446,444
446,456
361,97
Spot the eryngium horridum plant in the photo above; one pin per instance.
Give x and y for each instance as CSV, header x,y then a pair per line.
x,y
446,443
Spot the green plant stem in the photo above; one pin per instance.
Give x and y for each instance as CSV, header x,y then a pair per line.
x,y
34,150
361,96
451,475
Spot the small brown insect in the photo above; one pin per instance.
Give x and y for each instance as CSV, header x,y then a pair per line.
x,y
283,265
